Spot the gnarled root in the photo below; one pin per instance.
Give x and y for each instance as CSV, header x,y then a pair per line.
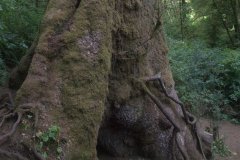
x,y
5,137
188,117
8,111
12,155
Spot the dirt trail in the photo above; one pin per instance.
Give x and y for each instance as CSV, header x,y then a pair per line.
x,y
231,134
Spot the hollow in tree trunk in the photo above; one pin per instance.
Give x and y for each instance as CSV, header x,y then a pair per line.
x,y
99,71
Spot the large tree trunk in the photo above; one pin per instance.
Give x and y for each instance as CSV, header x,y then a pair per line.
x,y
91,74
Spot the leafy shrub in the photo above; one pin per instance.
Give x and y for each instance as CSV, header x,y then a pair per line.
x,y
19,20
218,147
48,138
207,79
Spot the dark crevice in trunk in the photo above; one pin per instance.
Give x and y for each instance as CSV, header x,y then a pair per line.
x,y
78,3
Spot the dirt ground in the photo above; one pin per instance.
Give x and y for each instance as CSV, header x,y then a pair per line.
x,y
231,135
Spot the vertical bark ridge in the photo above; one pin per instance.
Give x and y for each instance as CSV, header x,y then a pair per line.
x,y
69,72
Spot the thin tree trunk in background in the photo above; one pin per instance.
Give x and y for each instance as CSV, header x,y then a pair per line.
x,y
235,9
238,17
37,3
181,3
224,23
183,17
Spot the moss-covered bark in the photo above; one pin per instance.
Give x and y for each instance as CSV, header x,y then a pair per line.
x,y
68,75
133,126
89,58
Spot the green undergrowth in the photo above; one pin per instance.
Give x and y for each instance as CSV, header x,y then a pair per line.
x,y
219,148
19,23
207,79
48,141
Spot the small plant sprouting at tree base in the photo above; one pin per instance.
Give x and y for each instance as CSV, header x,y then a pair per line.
x,y
86,75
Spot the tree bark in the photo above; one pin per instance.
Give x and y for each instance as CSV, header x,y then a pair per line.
x,y
235,8
182,10
224,23
89,75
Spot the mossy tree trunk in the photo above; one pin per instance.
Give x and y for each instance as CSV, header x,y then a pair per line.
x,y
86,74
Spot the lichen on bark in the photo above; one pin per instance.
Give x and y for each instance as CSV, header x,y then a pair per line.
x,y
84,77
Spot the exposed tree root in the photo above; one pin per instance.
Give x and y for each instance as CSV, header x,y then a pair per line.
x,y
5,137
181,145
11,112
188,117
163,109
8,111
157,77
6,117
37,155
12,155
179,140
33,151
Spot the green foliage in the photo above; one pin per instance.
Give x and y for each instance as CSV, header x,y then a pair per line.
x,y
19,20
213,18
47,139
207,79
50,135
215,22
218,147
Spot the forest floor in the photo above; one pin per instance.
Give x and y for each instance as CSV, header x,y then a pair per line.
x,y
231,136
230,133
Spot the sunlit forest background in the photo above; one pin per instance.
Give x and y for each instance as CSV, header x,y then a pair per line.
x,y
204,41
203,37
